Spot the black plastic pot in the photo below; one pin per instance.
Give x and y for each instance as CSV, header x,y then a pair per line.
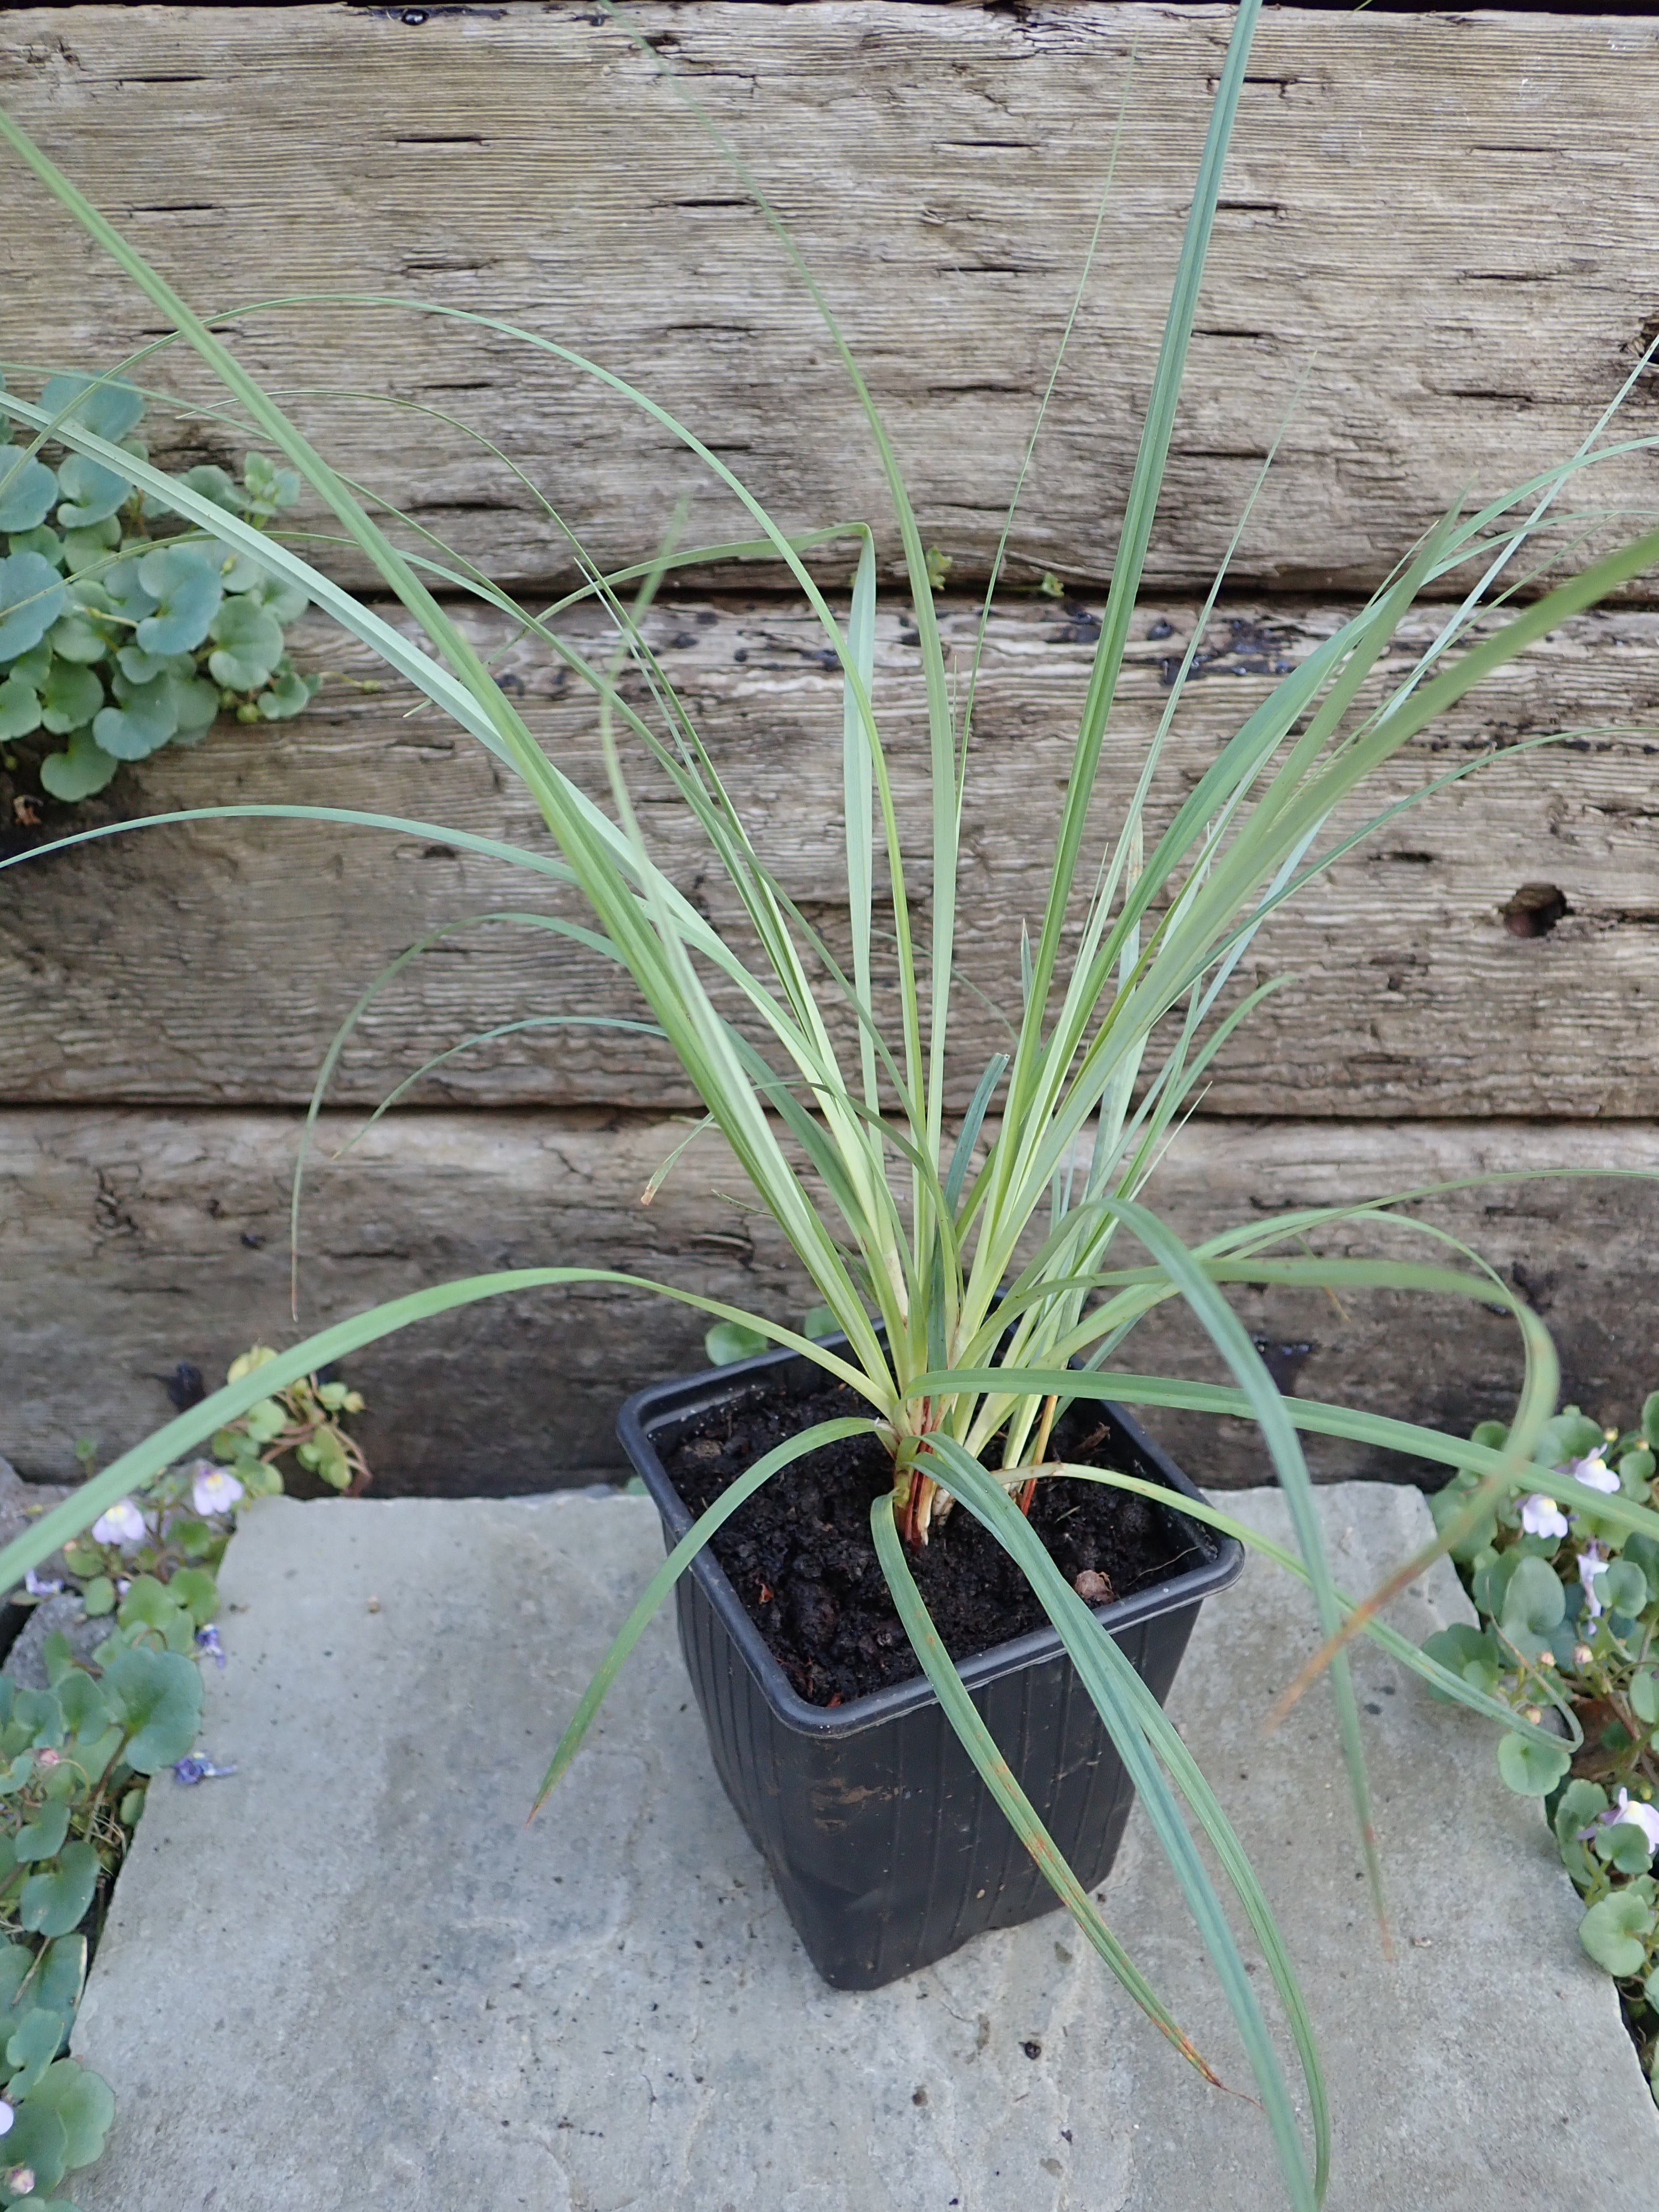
x,y
885,1845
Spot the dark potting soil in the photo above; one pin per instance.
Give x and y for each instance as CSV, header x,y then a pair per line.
x,y
799,1553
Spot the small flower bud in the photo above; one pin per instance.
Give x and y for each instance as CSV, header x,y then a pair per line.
x,y
1533,1713
48,1758
21,2181
1582,1655
1545,1659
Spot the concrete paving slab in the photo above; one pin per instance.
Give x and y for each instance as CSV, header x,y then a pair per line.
x,y
350,1977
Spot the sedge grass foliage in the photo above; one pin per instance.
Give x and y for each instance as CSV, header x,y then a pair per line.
x,y
982,1267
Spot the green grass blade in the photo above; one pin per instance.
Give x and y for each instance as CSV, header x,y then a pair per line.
x,y
1399,1648
644,1609
145,1461
998,1777
858,782
1148,1744
1135,533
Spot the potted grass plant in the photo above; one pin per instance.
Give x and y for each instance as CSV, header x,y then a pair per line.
x,y
976,1272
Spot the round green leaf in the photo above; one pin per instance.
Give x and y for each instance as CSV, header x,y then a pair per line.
x,y
76,638
32,597
157,1695
1579,1803
33,2044
63,1973
43,1838
140,667
92,492
197,704
289,694
1625,1847
1643,1694
39,1712
195,1589
1534,1599
86,1711
109,409
20,707
55,1900
265,1421
80,771
250,645
146,719
28,489
729,1339
1624,1587
211,482
188,595
83,2102
1614,1932
1463,1649
146,1603
282,601
72,696
90,548
98,1596
126,591
36,2142
269,485
1636,1473
1570,1435
1531,1769
46,542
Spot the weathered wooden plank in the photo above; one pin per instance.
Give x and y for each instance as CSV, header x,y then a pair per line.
x,y
130,1241
210,964
1447,221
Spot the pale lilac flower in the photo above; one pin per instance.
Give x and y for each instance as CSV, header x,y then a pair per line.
x,y
214,1489
21,2181
207,1639
7,2116
37,1588
198,1767
123,1524
1542,1517
1644,1817
1593,1472
1591,1560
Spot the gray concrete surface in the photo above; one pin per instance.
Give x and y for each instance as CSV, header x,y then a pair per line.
x,y
350,1977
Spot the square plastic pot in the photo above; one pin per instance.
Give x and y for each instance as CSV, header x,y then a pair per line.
x,y
887,1849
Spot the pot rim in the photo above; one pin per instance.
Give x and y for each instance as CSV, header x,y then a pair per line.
x,y
652,1408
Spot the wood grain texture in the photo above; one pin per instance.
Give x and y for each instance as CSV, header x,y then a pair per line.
x,y
1448,222
131,1240
210,964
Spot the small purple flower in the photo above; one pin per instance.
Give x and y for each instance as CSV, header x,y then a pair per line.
x,y
124,1524
1542,1517
1593,1472
7,2116
1591,1560
1637,1815
207,1639
36,1587
198,1767
214,1489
